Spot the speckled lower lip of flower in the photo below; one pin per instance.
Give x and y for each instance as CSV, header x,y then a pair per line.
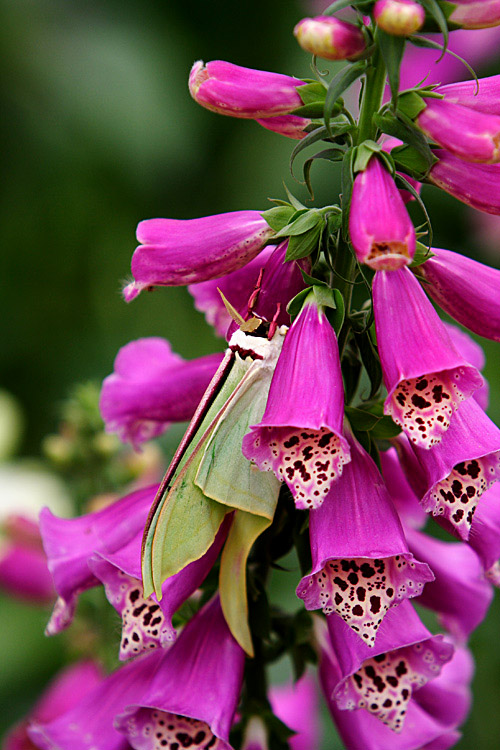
x,y
426,378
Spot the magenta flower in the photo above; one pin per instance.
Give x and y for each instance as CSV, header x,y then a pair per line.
x,y
291,126
475,14
187,694
266,284
192,696
361,564
301,440
151,387
474,355
382,233
426,378
401,493
176,252
297,705
330,38
477,185
482,95
460,595
476,306
460,469
64,692
433,713
243,92
485,534
466,133
404,658
147,623
70,542
23,565
399,17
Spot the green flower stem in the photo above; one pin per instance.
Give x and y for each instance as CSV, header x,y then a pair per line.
x,y
373,93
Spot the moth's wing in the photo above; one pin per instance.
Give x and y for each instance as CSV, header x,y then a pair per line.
x,y
185,521
224,474
245,529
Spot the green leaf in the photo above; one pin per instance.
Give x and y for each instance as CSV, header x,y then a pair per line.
x,y
304,244
298,206
313,99
245,529
278,217
392,48
330,154
385,429
370,359
434,10
311,281
295,305
411,104
339,83
422,253
340,4
301,222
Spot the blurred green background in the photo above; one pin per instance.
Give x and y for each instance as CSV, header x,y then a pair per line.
x,y
99,132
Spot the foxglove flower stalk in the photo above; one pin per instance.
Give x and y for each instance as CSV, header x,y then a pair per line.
x,y
70,686
361,564
434,711
476,306
291,126
477,185
302,442
475,14
381,231
330,38
243,92
176,252
264,287
425,377
193,694
460,595
151,387
405,657
482,95
399,17
466,133
70,542
23,564
147,623
455,473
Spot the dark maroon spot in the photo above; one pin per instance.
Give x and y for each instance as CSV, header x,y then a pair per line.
x,y
367,571
199,737
325,439
405,693
457,488
380,658
421,385
401,669
291,441
458,515
338,598
420,402
137,611
340,583
353,578
357,610
135,637
390,592
393,681
370,671
358,679
307,453
387,703
360,593
134,595
375,604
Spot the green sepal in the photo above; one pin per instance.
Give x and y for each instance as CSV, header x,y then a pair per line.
x,y
301,222
364,153
300,246
245,529
279,216
411,160
411,104
340,4
403,128
339,83
422,253
435,11
392,48
295,305
313,100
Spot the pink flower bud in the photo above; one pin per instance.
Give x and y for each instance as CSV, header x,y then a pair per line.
x,y
290,126
382,233
330,38
470,135
243,92
471,14
399,17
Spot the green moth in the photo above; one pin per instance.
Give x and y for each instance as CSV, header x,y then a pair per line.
x,y
209,477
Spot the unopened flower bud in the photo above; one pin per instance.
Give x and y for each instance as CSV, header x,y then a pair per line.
x,y
471,14
330,38
399,17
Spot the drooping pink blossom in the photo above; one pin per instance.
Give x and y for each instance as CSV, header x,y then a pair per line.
x,y
477,185
330,38
399,17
